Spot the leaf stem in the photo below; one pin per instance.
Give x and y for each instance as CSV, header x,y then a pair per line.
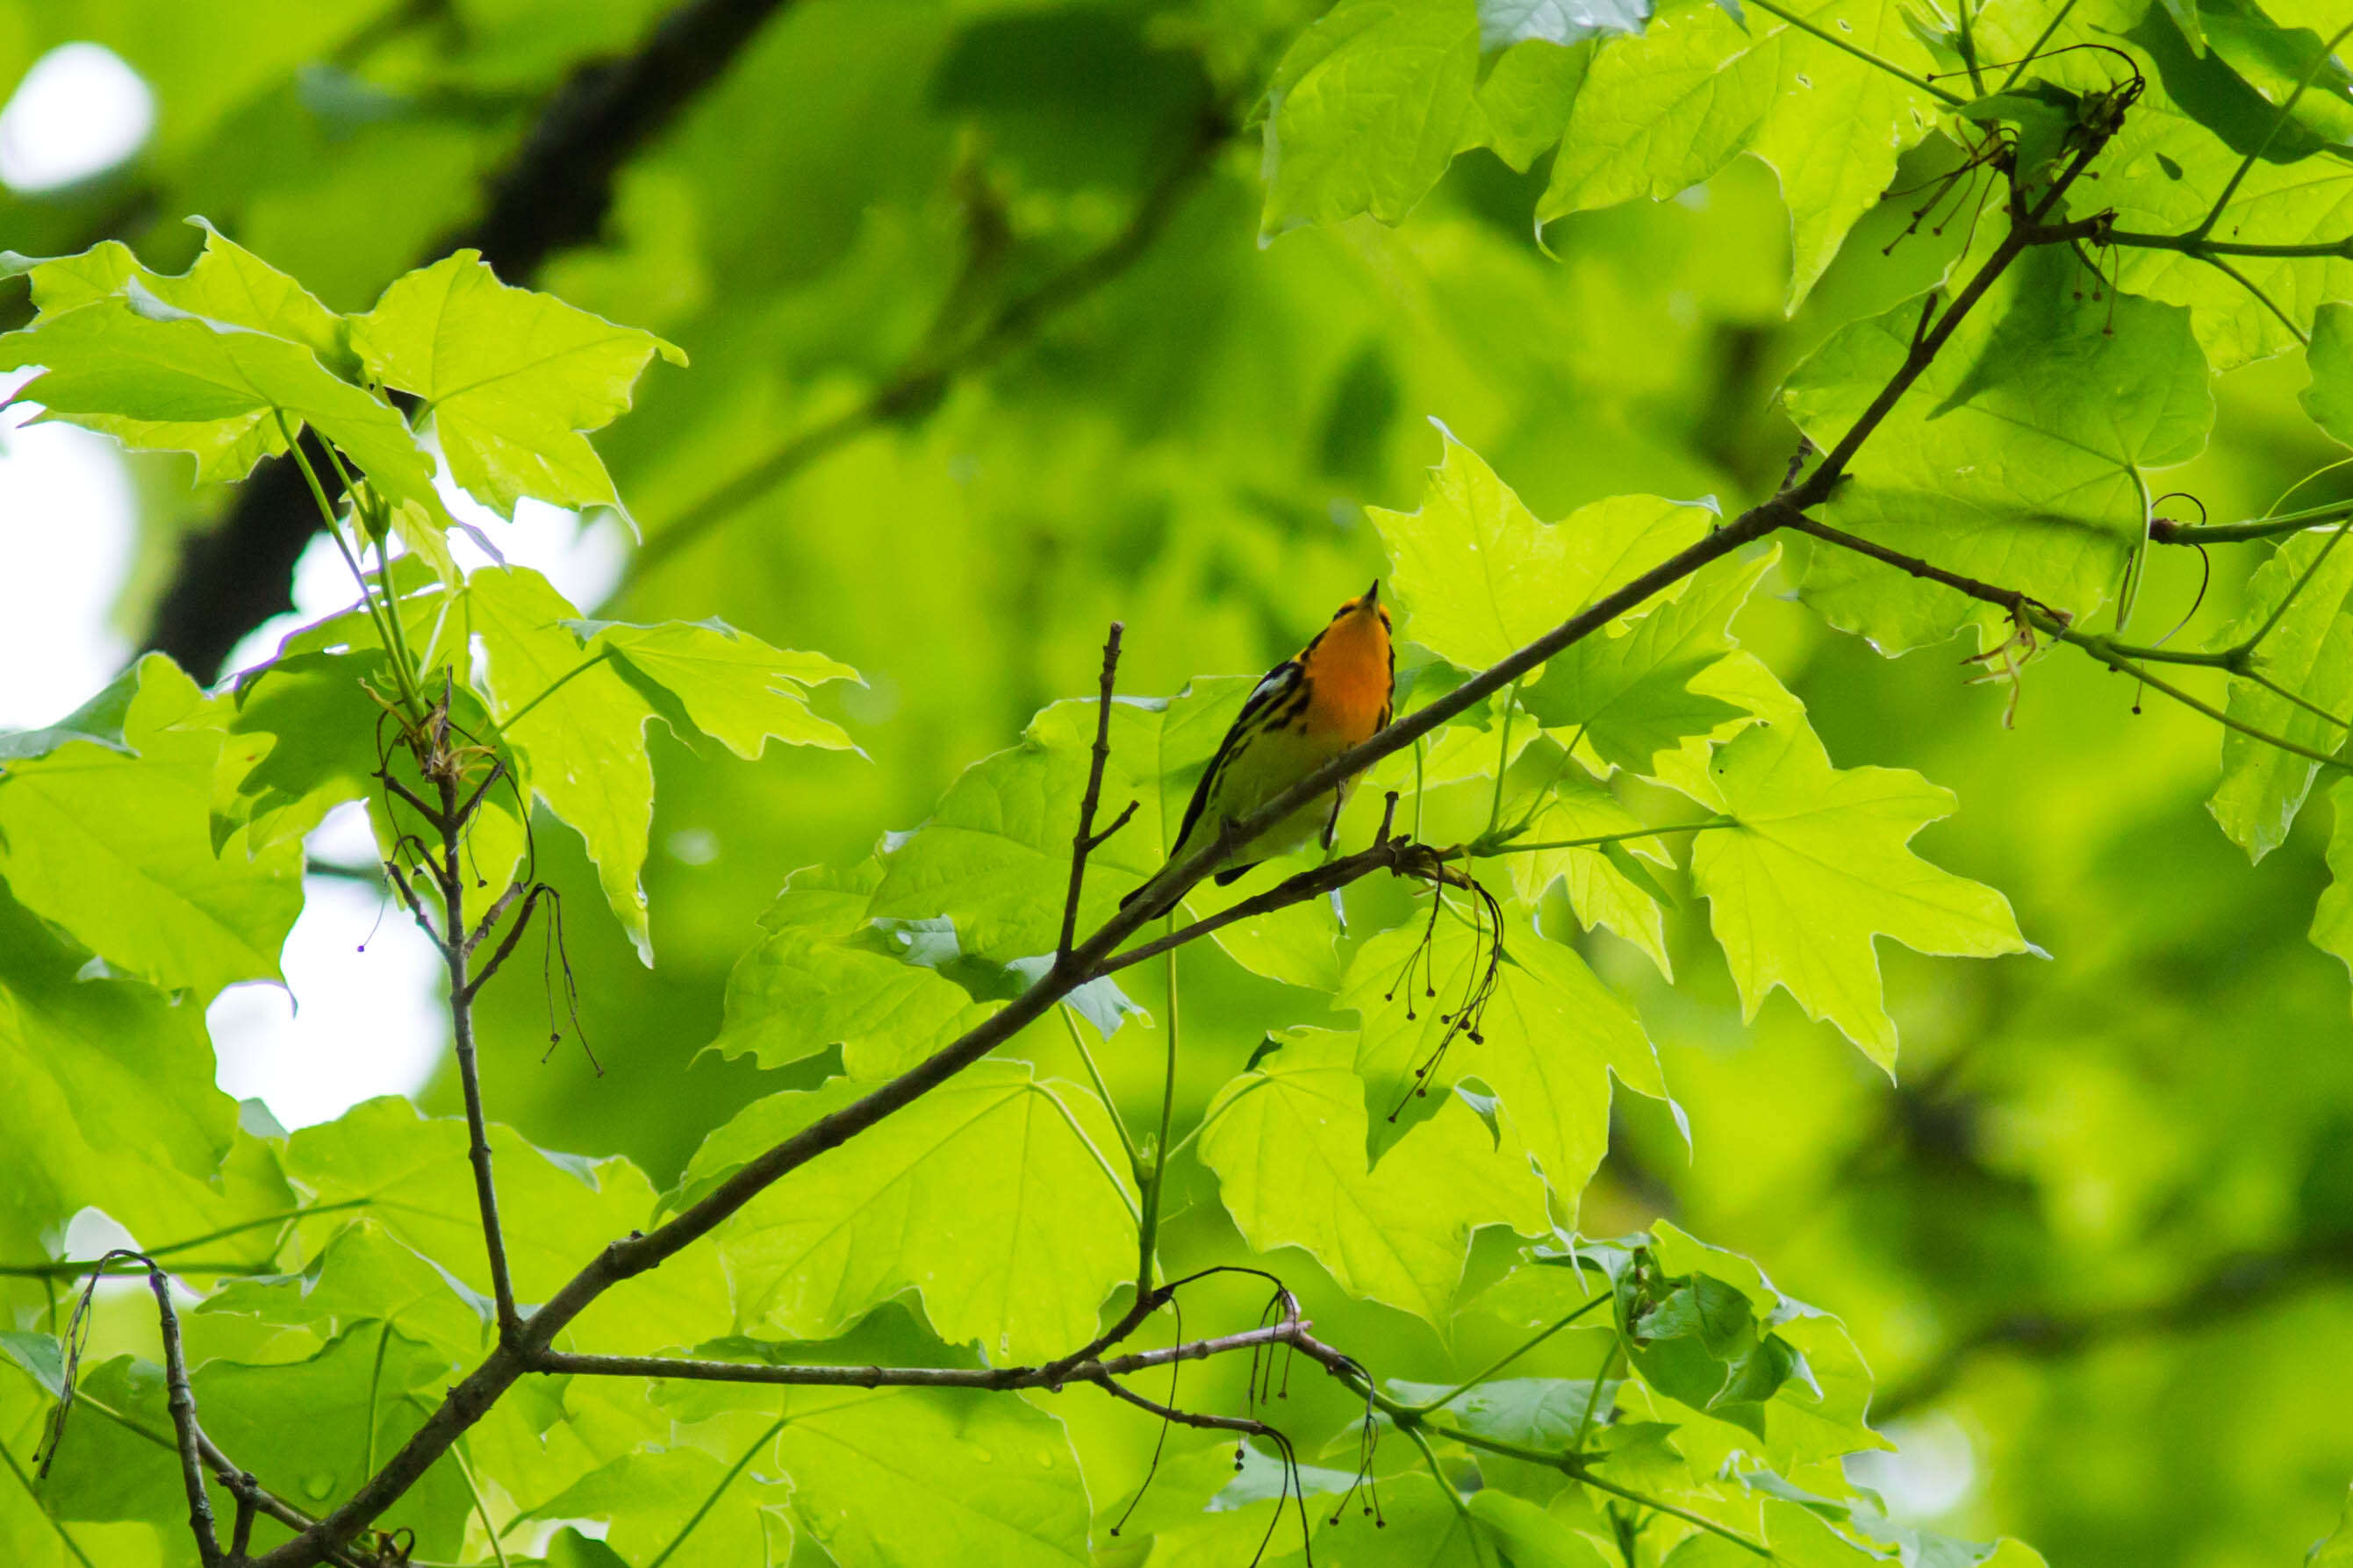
x,y
2035,48
1148,1233
712,1501
1950,98
1438,1474
56,1523
1468,1383
499,726
2280,120
359,573
1503,758
2167,532
1480,851
481,1504
2302,581
1103,1092
2201,245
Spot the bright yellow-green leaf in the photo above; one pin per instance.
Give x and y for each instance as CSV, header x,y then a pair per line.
x,y
909,1478
995,1196
118,848
1479,575
2309,650
2018,457
1287,1142
577,726
1815,868
558,1211
510,378
1366,110
735,687
1544,1040
1599,889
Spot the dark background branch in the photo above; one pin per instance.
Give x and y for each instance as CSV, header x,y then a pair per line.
x,y
552,193
2243,1283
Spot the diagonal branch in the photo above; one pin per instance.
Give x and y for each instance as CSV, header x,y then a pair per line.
x,y
2121,657
1083,841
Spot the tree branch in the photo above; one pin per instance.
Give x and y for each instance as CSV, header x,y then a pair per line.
x,y
1083,841
554,192
455,950
2238,1285
2118,657
2165,531
928,372
1084,1367
182,1399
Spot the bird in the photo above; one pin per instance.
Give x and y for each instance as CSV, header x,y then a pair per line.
x,y
1336,692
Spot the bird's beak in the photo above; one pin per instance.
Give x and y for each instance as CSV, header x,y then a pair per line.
x,y
1373,594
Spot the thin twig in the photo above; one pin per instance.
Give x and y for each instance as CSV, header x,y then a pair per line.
x,y
506,943
1083,841
182,1399
454,953
1244,1424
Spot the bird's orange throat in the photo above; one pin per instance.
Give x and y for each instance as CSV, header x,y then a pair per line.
x,y
1350,666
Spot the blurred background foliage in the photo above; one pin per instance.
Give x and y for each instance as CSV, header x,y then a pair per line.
x,y
980,322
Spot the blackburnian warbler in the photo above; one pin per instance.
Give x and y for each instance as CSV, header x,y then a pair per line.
x,y
1334,693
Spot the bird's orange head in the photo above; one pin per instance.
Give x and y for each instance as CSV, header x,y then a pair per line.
x,y
1354,667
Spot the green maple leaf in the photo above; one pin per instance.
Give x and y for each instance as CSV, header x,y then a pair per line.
x,y
110,1103
411,1174
511,379
1605,885
1479,576
363,1274
1549,1036
1663,112
2309,650
2332,922
657,1501
994,1195
1814,868
1631,694
365,1392
156,373
1535,1412
227,283
824,977
118,848
1838,124
732,687
897,1478
1366,110
581,741
1807,1419
2016,457
2329,398
1287,1141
